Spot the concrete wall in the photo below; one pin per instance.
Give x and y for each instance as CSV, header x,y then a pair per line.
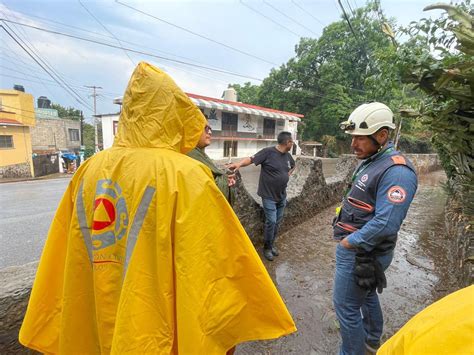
x,y
13,161
52,134
108,133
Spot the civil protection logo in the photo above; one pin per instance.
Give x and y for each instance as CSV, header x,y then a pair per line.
x,y
397,194
110,218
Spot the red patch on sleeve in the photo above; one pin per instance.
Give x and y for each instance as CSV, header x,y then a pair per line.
x,y
397,194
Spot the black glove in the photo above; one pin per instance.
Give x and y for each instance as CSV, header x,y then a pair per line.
x,y
379,276
369,274
364,271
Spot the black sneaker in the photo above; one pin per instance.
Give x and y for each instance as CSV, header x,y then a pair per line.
x,y
267,253
372,348
275,251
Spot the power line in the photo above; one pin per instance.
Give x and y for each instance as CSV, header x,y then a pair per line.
x,y
103,35
17,62
344,14
76,96
199,66
350,7
42,80
164,58
139,46
196,34
35,51
81,87
133,50
105,28
32,49
307,12
9,58
288,17
270,19
18,59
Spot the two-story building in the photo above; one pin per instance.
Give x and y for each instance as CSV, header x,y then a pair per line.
x,y
238,129
17,117
52,133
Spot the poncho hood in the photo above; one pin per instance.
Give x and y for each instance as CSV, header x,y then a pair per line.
x,y
157,113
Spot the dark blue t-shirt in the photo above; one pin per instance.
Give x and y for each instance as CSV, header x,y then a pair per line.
x,y
274,174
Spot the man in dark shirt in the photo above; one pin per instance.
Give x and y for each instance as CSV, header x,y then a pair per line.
x,y
277,166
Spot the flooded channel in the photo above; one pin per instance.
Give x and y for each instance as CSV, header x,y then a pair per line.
x,y
420,274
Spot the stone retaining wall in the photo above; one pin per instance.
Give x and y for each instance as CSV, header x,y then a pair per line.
x,y
16,284
13,171
425,163
459,231
308,193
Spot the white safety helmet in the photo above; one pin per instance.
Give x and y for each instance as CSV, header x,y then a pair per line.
x,y
368,119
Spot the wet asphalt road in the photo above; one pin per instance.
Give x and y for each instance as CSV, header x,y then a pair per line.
x,y
26,211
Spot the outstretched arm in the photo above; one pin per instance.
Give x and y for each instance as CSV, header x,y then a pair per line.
x,y
236,166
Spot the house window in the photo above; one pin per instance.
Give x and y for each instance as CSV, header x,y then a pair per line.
x,y
229,124
230,148
73,135
6,141
268,128
115,127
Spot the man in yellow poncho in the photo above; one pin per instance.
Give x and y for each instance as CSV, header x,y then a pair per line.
x,y
144,255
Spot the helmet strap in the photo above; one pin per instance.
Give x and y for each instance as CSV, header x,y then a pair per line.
x,y
377,144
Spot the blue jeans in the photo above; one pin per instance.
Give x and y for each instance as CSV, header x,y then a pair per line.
x,y
273,215
359,312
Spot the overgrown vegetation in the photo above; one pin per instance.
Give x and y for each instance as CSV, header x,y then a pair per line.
x,y
443,68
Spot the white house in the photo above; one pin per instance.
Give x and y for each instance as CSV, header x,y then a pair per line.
x,y
238,129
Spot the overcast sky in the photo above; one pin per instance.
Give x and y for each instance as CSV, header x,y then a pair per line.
x,y
249,43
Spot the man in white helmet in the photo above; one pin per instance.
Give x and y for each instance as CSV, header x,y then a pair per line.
x,y
366,226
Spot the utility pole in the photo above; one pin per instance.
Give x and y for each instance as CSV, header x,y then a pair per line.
x,y
82,129
399,132
94,95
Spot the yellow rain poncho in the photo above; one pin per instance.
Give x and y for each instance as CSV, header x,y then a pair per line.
x,y
144,254
445,327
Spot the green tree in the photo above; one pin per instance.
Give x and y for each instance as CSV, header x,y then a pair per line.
x,y
247,93
331,75
67,112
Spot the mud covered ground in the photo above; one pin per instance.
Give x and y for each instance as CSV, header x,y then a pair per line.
x,y
420,274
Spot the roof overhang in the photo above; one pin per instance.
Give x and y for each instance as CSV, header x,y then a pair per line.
x,y
229,107
10,122
238,107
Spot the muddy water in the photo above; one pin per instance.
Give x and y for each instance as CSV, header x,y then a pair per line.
x,y
419,275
